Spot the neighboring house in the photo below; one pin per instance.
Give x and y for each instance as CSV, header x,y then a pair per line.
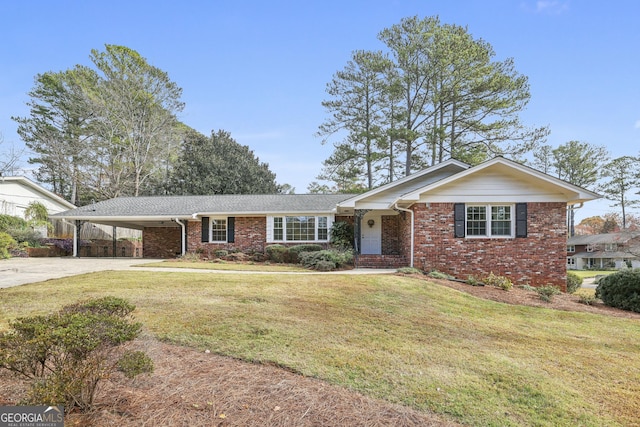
x,y
17,192
499,216
602,251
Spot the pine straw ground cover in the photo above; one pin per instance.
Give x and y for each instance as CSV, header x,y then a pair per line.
x,y
348,350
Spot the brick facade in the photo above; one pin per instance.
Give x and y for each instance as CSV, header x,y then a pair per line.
x,y
250,235
161,242
537,260
390,235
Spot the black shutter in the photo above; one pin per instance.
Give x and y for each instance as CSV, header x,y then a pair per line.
x,y
458,217
205,229
231,229
521,220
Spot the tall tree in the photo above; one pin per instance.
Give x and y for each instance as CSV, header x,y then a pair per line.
x,y
578,163
356,107
623,176
439,94
219,165
57,130
137,103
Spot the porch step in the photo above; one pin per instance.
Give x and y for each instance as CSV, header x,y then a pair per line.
x,y
381,261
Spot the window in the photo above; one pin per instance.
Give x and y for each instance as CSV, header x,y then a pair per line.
x,y
300,228
610,247
571,261
571,248
590,248
218,230
489,221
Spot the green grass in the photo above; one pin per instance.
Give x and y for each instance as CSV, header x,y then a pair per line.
x,y
228,266
592,273
397,338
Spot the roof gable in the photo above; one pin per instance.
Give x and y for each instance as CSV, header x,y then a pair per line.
x,y
499,179
52,201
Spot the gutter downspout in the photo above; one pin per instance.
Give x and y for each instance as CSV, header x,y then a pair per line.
x,y
183,248
412,229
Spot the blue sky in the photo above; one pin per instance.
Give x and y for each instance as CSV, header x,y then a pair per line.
x,y
259,69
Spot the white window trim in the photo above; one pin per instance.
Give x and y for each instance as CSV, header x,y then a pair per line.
x,y
488,207
270,228
226,232
571,248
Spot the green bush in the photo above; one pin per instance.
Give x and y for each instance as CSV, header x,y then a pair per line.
x,y
64,355
621,290
438,275
573,282
276,253
587,299
292,255
26,235
498,281
547,292
6,242
326,258
342,235
8,221
133,363
221,253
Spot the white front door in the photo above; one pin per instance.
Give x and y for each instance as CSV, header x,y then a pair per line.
x,y
371,234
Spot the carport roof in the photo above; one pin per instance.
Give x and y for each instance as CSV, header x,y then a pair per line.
x,y
145,210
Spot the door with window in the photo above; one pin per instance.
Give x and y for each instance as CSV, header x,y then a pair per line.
x,y
371,234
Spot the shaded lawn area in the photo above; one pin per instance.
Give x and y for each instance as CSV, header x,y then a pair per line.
x,y
400,339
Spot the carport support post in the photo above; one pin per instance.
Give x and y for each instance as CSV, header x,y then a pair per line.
x,y
115,243
76,239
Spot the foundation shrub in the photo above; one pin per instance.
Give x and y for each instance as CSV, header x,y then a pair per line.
x,y
275,253
292,255
498,281
621,290
547,292
324,258
6,242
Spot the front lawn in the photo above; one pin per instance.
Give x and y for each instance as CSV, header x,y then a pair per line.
x,y
404,340
585,274
228,266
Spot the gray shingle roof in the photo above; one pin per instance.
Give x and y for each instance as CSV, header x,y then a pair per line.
x,y
186,206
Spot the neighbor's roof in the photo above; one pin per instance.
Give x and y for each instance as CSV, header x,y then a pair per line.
x,y
38,189
598,239
190,206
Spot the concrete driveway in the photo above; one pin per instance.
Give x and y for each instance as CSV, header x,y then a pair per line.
x,y
20,271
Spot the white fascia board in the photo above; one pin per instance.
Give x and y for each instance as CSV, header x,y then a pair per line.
x,y
351,203
271,213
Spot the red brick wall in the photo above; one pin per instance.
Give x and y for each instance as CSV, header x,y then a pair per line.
x,y
537,260
250,236
390,235
161,242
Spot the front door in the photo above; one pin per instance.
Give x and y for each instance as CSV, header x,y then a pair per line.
x,y
371,234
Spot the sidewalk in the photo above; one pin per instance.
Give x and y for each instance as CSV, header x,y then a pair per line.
x,y
20,271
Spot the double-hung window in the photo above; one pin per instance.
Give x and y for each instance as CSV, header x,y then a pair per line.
x,y
489,221
218,230
300,228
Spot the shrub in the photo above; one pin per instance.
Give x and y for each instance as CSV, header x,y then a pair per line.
x,y
275,253
322,259
292,255
587,299
6,242
26,235
342,235
438,275
221,253
409,270
471,280
546,293
8,221
65,354
498,281
133,363
621,290
573,282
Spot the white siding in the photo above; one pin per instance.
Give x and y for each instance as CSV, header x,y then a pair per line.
x,y
492,186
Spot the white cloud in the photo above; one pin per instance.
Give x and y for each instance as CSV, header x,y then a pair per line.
x,y
551,7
